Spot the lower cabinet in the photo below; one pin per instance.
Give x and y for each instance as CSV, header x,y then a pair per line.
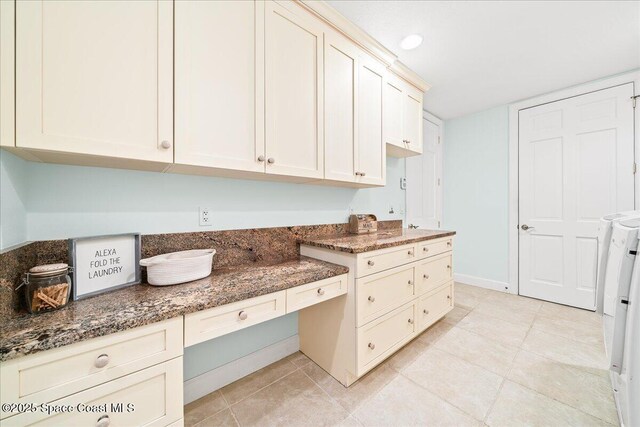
x,y
380,338
394,294
151,397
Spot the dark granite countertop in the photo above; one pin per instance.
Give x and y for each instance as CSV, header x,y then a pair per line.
x,y
139,305
358,243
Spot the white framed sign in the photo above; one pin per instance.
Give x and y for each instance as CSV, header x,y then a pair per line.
x,y
104,263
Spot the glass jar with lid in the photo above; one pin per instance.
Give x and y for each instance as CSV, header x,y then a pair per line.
x,y
46,287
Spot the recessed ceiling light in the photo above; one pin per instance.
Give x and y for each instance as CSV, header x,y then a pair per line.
x,y
411,42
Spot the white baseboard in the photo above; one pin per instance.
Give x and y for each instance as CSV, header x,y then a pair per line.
x,y
494,285
210,381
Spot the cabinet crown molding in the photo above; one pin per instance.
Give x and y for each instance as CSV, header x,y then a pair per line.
x,y
334,18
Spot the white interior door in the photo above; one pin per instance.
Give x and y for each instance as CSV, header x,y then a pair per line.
x,y
424,179
576,164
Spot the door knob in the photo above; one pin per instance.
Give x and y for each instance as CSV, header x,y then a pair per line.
x,y
525,227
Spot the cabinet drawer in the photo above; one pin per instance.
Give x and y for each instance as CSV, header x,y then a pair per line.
x,y
434,305
382,292
53,374
313,293
433,272
384,259
434,247
155,396
204,325
381,337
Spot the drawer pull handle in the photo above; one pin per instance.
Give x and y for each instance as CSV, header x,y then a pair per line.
x,y
372,346
243,315
371,263
371,299
425,276
320,291
411,321
425,249
102,361
425,311
103,421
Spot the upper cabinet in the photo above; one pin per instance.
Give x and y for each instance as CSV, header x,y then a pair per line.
x,y
403,118
7,76
353,91
95,78
372,163
340,103
281,90
293,93
219,93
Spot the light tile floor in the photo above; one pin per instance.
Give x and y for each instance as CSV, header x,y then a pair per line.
x,y
496,360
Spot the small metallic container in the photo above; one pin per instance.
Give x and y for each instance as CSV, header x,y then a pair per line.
x,y
46,287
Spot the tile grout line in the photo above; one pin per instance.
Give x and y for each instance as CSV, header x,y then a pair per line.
x,y
229,408
349,414
262,388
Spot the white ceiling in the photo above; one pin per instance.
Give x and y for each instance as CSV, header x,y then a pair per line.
x,y
477,55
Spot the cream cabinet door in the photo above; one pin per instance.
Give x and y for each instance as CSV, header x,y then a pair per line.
x,y
371,146
293,98
95,78
393,104
340,108
219,107
7,76
412,119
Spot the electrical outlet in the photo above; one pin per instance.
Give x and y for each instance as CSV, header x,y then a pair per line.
x,y
205,217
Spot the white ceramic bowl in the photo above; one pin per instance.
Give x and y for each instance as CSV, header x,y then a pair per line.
x,y
178,267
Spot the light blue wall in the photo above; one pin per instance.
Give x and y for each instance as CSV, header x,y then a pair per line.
x,y
69,201
13,194
476,191
47,201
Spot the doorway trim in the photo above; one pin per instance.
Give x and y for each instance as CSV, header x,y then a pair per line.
x,y
514,109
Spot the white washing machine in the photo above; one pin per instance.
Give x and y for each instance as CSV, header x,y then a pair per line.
x,y
627,384
604,238
621,282
617,280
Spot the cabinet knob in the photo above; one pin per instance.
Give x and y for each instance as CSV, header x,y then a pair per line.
x,y
261,158
410,253
371,299
425,276
425,311
411,321
320,291
371,263
425,249
448,266
103,421
448,296
271,160
101,361
165,144
243,315
408,142
409,282
448,243
371,346
362,173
